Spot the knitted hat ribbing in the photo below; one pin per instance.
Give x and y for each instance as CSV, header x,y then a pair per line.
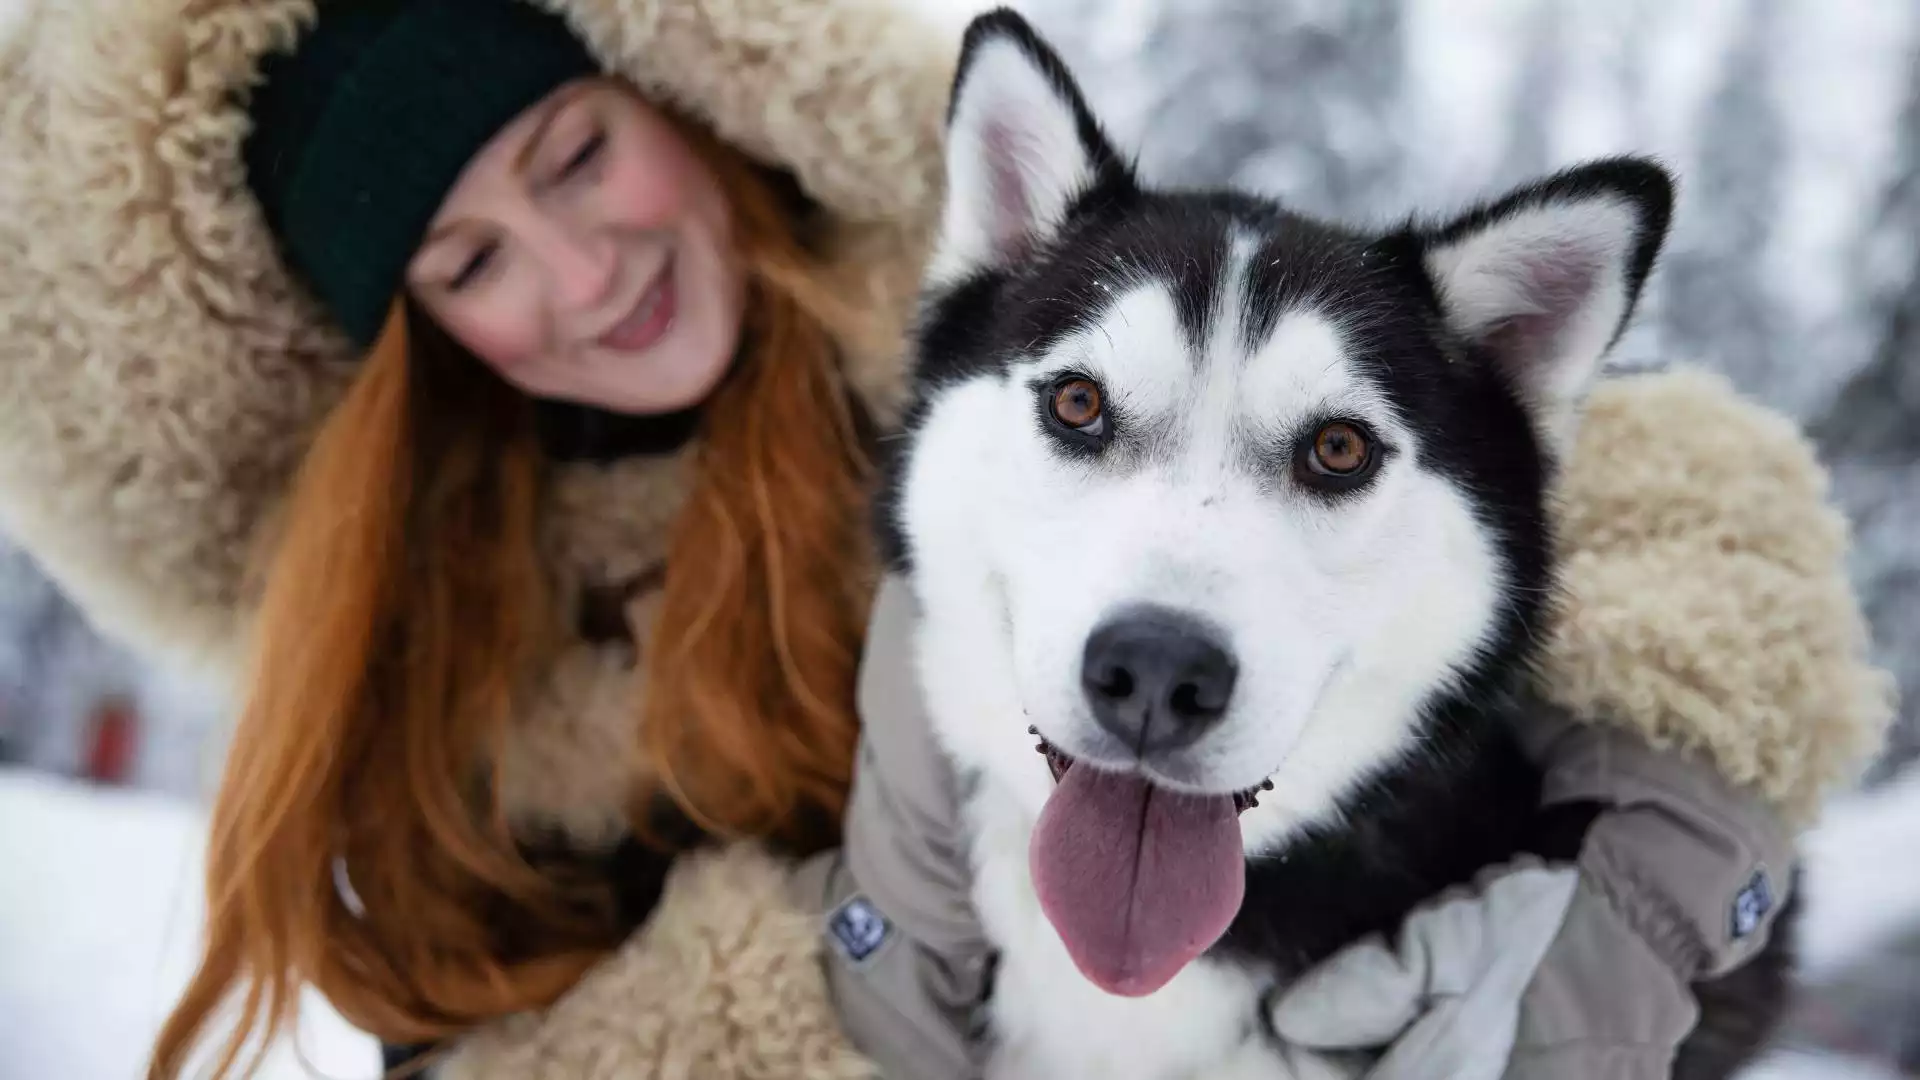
x,y
359,133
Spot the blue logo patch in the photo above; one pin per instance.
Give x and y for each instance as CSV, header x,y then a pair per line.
x,y
858,929
1751,905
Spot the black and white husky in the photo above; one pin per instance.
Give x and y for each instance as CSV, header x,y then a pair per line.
x,y
1241,514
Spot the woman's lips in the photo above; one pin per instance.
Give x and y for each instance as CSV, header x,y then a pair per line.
x,y
650,318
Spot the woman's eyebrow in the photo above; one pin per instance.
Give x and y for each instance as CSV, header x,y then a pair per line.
x,y
552,109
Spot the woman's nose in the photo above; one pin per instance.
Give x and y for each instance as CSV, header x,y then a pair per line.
x,y
584,267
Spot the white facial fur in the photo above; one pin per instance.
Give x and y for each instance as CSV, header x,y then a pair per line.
x,y
1342,614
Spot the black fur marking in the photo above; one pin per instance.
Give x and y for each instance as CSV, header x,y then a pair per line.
x,y
1303,263
953,333
1197,280
1114,236
1114,240
1407,836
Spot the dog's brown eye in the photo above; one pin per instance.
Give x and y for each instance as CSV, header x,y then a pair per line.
x,y
1076,403
1340,449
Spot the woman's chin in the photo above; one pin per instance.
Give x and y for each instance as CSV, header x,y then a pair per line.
x,y
672,385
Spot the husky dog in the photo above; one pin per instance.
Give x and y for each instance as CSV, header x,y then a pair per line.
x,y
1239,515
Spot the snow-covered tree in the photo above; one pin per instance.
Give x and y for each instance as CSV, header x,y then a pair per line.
x,y
1718,305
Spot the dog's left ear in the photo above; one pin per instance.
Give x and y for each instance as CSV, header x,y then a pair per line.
x,y
1545,278
1021,147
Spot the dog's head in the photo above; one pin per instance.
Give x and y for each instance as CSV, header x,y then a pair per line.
x,y
1214,496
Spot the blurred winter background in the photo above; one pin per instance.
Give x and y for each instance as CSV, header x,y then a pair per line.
x,y
1794,268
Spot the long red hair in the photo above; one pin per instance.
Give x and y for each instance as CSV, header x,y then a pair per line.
x,y
404,609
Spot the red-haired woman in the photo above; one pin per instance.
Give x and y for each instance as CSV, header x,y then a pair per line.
x,y
450,371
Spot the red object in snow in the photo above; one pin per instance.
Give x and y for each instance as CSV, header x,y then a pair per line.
x,y
110,741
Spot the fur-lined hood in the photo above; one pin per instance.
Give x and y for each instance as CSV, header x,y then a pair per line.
x,y
163,372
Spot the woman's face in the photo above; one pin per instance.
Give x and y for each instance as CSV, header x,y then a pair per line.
x,y
585,254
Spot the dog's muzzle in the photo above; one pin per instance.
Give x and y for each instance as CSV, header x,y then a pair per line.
x,y
1157,680
1059,761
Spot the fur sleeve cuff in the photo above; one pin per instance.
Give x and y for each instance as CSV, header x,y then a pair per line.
x,y
723,982
1706,599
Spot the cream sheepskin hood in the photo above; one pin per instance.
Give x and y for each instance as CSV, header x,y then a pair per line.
x,y
163,372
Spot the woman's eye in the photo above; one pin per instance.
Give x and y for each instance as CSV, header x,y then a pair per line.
x,y
583,156
475,265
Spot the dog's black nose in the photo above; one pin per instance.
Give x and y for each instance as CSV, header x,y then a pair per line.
x,y
1156,678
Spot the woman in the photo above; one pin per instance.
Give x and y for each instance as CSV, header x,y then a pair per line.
x,y
347,467
526,515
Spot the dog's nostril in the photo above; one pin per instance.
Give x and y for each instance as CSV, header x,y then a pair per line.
x,y
1189,700
1115,683
1205,687
1185,699
1157,678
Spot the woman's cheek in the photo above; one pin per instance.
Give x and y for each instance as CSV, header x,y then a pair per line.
x,y
644,192
503,336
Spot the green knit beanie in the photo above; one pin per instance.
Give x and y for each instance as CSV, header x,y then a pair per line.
x,y
359,134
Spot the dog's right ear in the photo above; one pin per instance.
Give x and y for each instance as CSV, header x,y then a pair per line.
x,y
1021,147
1544,279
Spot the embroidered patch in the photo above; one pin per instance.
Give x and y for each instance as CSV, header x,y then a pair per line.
x,y
858,929
1751,905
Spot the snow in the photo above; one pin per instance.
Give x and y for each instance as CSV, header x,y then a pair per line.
x,y
100,910
1863,876
1797,1066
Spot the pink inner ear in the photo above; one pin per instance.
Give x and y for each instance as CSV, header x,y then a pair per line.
x,y
1557,284
1012,220
1560,280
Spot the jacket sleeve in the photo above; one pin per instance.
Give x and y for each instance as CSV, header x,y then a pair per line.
x,y
906,959
1681,877
1578,961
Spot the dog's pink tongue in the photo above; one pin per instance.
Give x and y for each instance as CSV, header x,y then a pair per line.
x,y
1137,880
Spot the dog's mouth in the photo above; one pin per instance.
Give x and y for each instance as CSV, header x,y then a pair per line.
x,y
1059,761
1136,878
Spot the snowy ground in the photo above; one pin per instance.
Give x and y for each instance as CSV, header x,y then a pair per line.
x,y
100,910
